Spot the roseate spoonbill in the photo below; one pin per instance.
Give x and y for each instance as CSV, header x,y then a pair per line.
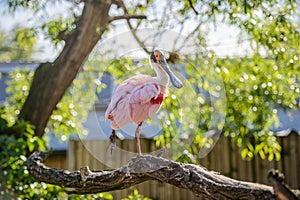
x,y
140,97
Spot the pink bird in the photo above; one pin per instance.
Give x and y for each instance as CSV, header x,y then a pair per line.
x,y
140,97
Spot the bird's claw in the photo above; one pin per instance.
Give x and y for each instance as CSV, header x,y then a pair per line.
x,y
112,141
112,147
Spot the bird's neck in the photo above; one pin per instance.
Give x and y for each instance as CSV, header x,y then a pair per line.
x,y
161,76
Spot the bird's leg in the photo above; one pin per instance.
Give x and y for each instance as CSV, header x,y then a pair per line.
x,y
112,139
137,136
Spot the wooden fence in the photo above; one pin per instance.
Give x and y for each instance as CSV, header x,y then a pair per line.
x,y
224,158
93,153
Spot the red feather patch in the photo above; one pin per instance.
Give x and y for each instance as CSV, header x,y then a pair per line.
x,y
157,100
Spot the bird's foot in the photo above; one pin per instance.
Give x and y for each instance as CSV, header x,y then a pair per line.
x,y
139,153
112,142
137,137
111,147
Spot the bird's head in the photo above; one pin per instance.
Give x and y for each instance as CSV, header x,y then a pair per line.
x,y
159,63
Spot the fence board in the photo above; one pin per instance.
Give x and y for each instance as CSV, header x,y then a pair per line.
x,y
293,153
298,164
57,161
70,155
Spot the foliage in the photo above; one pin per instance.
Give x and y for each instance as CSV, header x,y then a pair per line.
x,y
18,88
136,196
14,4
102,196
71,111
56,27
254,90
17,46
26,38
15,180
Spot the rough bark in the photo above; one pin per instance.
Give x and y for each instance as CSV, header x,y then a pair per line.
x,y
203,183
51,80
281,190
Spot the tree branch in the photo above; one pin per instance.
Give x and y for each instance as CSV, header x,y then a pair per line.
x,y
203,183
63,35
132,30
127,17
192,6
281,190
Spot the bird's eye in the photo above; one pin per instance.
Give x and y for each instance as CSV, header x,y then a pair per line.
x,y
157,56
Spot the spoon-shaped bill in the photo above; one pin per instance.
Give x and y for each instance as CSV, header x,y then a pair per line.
x,y
174,80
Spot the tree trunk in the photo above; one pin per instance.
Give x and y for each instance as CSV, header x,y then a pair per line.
x,y
51,80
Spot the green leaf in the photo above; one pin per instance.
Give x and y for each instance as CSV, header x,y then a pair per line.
x,y
106,195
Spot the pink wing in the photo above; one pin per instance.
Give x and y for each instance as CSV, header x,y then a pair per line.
x,y
141,102
131,101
